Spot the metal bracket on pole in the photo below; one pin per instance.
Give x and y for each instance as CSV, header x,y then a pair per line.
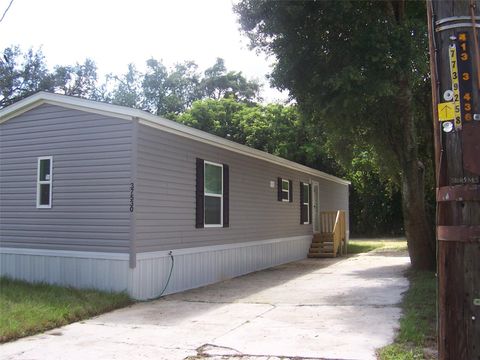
x,y
466,192
459,233
455,22
456,26
455,18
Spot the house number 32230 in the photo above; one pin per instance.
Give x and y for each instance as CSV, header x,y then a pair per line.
x,y
132,188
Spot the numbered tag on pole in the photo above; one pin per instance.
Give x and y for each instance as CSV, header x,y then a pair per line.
x,y
457,120
465,76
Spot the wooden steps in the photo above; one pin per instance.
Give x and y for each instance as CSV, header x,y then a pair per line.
x,y
322,246
331,238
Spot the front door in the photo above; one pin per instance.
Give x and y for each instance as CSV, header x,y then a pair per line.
x,y
315,207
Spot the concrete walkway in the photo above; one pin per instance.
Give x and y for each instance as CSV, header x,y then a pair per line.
x,y
316,309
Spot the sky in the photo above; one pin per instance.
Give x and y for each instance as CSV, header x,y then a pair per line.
x,y
115,33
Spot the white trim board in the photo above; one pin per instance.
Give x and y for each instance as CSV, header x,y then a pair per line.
x,y
200,249
65,253
157,122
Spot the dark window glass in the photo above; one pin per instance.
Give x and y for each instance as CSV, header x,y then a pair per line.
x,y
44,170
306,195
305,213
285,190
213,179
44,194
213,210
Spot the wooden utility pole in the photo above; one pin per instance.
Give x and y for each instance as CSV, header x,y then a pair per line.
x,y
454,27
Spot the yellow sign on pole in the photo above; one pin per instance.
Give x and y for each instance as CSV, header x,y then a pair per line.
x,y
446,111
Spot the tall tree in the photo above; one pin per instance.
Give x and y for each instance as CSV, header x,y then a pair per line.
x,y
219,83
23,74
357,67
77,80
170,92
274,128
128,89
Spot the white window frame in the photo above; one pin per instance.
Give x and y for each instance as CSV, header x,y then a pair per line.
x,y
205,194
306,203
287,191
43,182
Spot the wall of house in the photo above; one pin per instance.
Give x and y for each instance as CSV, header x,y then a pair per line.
x,y
84,239
91,180
165,195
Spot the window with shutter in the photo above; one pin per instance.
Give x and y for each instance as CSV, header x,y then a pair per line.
x,y
212,207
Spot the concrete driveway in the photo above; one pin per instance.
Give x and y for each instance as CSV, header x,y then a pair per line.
x,y
316,309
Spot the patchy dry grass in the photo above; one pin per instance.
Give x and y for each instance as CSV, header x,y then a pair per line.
x,y
416,338
27,309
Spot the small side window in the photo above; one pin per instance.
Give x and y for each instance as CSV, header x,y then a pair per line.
x,y
44,182
285,191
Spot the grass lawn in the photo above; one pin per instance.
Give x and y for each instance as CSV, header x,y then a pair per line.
x,y
362,246
27,309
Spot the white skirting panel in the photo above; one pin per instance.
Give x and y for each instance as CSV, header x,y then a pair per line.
x,y
202,266
192,268
67,269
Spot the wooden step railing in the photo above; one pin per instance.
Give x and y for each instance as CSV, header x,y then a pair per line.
x,y
339,233
332,237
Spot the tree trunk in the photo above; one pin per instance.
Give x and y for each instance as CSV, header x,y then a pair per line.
x,y
418,230
417,227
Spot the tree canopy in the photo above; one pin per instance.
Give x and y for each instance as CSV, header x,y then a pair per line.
x,y
159,90
360,69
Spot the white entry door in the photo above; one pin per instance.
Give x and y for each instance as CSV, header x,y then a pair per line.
x,y
315,207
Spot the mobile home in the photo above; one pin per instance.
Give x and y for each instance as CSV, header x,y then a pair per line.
x,y
96,195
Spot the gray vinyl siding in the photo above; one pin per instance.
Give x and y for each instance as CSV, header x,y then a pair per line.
x,y
90,188
165,195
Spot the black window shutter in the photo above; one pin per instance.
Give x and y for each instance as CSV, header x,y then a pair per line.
x,y
310,203
302,218
279,186
200,198
226,196
290,189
